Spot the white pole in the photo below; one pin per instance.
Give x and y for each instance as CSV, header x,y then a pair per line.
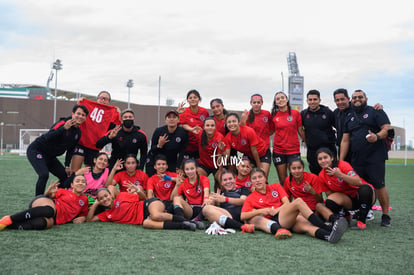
x,y
406,145
1,146
54,104
129,92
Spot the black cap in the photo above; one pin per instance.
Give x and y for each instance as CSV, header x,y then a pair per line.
x,y
172,112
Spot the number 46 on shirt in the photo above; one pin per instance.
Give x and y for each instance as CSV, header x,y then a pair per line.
x,y
97,114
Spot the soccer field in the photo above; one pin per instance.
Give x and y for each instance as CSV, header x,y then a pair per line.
x,y
107,248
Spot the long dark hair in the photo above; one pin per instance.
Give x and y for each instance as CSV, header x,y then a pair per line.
x,y
204,139
275,108
329,152
219,101
251,116
290,164
195,163
134,157
194,92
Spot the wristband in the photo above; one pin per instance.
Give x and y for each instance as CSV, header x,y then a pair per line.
x,y
166,177
227,199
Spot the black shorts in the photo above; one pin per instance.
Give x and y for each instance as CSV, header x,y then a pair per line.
x,y
43,196
275,218
169,207
196,210
146,204
208,170
235,212
279,159
373,173
88,154
266,158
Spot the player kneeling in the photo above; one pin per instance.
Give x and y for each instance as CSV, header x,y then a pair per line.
x,y
132,207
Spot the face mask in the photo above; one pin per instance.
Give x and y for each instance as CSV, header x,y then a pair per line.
x,y
128,123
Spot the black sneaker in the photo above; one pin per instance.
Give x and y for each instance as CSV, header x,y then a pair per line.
x,y
338,229
385,220
199,224
189,226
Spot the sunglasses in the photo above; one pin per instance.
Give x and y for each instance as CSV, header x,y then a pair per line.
x,y
358,97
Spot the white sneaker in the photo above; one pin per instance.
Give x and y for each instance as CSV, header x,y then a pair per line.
x,y
370,215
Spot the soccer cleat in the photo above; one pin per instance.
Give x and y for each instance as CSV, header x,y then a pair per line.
x,y
385,220
338,229
283,233
199,224
4,222
370,215
359,226
247,228
189,226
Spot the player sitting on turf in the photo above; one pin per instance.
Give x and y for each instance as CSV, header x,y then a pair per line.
x,y
269,209
163,185
225,208
56,206
132,207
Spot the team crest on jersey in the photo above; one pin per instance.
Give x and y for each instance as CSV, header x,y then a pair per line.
x,y
167,184
39,156
265,119
137,183
178,139
275,194
340,180
117,204
134,140
243,141
202,118
323,116
365,116
81,203
247,184
233,145
351,173
148,160
120,138
214,145
76,136
199,189
289,118
307,116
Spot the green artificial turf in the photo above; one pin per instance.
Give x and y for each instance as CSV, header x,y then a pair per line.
x,y
107,248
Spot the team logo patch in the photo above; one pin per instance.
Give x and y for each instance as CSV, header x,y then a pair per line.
x,y
247,184
275,194
134,140
233,145
323,116
352,118
214,145
199,189
289,118
167,185
117,204
120,138
178,139
351,173
265,119
137,183
76,136
39,156
365,116
81,203
202,118
148,160
243,141
340,180
307,116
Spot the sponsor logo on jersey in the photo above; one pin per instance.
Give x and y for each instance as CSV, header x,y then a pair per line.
x,y
265,119
81,203
365,116
243,141
109,217
39,156
289,118
352,118
191,119
134,140
167,184
275,194
261,200
178,139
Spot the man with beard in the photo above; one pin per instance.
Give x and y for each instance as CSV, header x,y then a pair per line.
x,y
126,139
364,132
318,122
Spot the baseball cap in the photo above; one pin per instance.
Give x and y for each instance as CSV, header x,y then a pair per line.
x,y
171,112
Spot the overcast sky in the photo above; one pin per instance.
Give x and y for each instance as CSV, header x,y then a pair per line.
x,y
228,49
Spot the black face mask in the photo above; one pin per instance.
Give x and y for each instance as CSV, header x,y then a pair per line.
x,y
128,123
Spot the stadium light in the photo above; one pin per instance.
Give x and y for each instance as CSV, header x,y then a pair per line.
x,y
129,84
57,65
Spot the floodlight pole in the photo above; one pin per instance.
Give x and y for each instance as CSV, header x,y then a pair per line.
x,y
1,146
129,84
57,65
159,99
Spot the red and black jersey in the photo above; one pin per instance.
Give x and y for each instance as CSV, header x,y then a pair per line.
x,y
193,119
69,206
162,188
194,192
271,199
97,122
125,143
127,208
243,142
285,125
296,190
261,125
209,150
138,179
